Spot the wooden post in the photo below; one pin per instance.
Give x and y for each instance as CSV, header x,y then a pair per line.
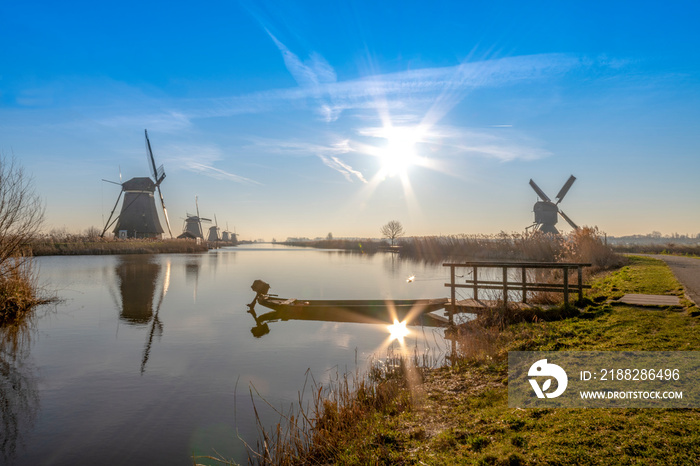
x,y
524,285
453,294
476,287
580,285
505,286
566,286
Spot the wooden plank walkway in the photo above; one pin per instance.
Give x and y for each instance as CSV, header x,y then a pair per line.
x,y
474,306
650,300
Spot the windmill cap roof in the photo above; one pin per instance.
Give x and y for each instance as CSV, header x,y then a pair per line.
x,y
139,184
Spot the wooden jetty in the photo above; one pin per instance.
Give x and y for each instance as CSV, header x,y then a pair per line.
x,y
506,285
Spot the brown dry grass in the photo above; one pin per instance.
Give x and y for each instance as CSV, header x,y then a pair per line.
x,y
51,245
19,291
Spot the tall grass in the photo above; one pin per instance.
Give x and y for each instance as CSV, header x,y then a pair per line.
x,y
585,244
309,433
314,431
19,290
51,244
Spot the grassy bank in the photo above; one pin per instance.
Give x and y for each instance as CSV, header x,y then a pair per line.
x,y
79,245
460,415
19,291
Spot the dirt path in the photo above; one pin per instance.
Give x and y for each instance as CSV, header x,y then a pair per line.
x,y
687,271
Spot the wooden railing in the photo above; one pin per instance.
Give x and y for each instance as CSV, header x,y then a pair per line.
x,y
522,285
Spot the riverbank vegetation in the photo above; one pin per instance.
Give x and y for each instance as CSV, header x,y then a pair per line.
x,y
21,217
459,414
64,244
586,245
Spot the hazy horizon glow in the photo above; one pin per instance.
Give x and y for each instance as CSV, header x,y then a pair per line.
x,y
300,120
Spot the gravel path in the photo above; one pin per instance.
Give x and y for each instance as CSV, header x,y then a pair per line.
x,y
687,271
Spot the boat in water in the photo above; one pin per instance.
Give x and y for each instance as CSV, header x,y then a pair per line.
x,y
416,311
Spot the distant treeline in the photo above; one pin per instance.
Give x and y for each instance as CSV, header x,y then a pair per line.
x,y
369,246
659,248
583,245
655,238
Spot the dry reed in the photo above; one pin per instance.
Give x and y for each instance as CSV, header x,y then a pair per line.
x,y
19,291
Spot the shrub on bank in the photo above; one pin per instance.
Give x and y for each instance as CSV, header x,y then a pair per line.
x,y
18,290
582,245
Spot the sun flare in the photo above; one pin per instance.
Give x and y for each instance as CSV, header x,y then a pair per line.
x,y
399,154
397,331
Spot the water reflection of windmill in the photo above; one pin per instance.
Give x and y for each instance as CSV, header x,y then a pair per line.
x,y
139,278
546,211
192,227
156,325
139,216
192,267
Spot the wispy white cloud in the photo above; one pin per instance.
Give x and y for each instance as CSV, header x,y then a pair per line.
x,y
217,173
166,122
343,168
504,144
314,71
201,159
329,154
411,91
310,75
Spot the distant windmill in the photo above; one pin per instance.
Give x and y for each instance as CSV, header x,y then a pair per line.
x,y
546,211
139,215
193,224
214,231
226,235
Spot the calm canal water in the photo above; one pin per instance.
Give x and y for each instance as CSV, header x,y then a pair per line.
x,y
151,359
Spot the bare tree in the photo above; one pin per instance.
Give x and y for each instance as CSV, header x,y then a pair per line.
x,y
21,213
392,230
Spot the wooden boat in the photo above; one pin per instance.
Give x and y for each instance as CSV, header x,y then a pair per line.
x,y
362,311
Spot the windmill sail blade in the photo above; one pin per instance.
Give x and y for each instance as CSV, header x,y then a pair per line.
x,y
571,222
539,192
158,173
565,189
107,225
113,182
165,212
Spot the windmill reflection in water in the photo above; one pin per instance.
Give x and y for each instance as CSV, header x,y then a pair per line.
x,y
143,284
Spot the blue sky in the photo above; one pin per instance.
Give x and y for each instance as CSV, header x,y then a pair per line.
x,y
303,118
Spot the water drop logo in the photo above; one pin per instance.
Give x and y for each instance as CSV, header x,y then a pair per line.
x,y
544,369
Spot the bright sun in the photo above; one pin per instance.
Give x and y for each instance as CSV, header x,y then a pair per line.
x,y
400,151
398,330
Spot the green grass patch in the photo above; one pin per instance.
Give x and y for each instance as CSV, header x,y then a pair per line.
x,y
462,416
643,275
